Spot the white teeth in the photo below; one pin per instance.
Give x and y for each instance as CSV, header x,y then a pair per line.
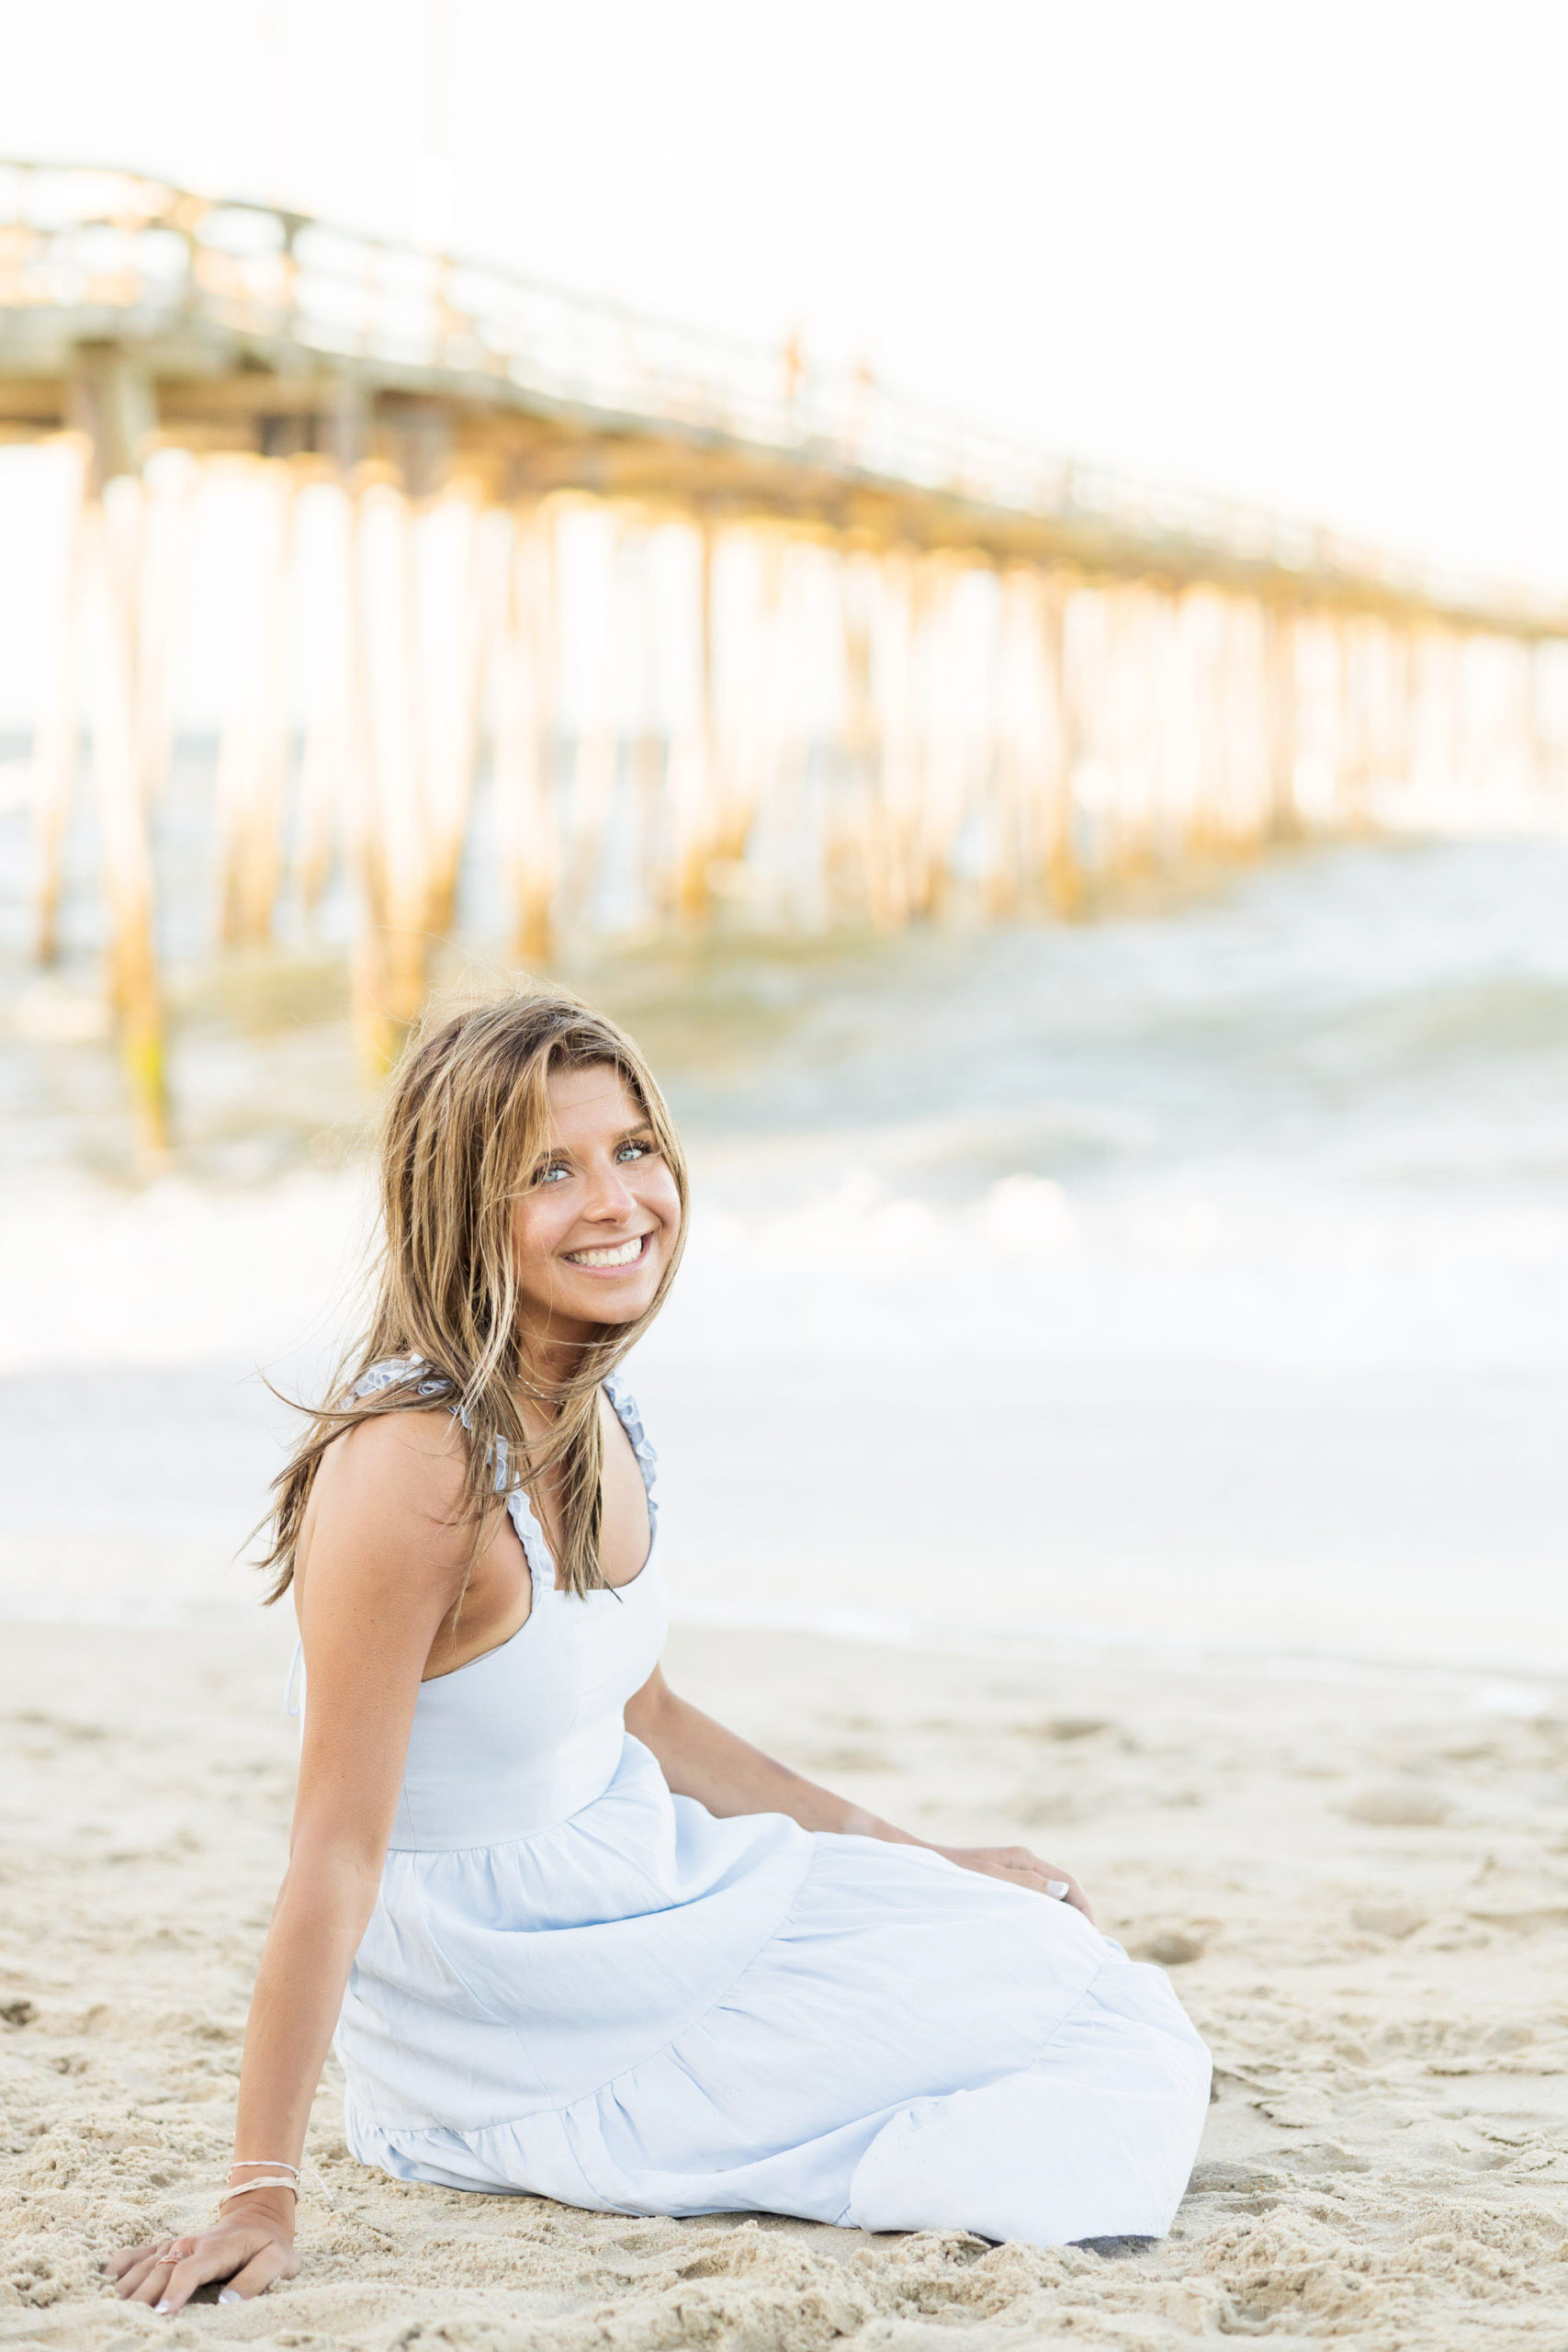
x,y
624,1254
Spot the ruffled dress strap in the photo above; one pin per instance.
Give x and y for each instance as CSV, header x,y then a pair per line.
x,y
395,1368
631,1422
530,1534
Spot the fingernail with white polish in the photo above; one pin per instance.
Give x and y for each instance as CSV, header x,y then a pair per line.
x,y
230,2295
161,2310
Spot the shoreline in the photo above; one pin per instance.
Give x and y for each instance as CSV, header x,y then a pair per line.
x,y
1506,1684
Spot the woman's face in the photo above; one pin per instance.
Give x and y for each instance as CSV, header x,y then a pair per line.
x,y
597,1221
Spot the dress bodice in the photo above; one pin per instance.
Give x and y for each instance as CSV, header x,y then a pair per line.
x,y
526,1734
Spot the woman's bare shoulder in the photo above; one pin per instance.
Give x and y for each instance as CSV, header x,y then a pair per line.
x,y
392,1487
421,1450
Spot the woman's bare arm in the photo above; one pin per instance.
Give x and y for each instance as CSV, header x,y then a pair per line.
x,y
385,1564
700,1759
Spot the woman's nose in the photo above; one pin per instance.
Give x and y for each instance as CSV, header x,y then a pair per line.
x,y
608,1194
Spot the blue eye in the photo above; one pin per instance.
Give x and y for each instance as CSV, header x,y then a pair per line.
x,y
634,1151
549,1175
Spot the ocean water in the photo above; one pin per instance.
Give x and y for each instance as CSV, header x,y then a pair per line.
x,y
1192,1283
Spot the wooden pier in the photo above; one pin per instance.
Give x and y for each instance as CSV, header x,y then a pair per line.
x,y
725,639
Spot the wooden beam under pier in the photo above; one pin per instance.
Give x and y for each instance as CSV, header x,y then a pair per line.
x,y
111,404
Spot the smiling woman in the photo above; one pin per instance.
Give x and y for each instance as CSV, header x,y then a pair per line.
x,y
572,1936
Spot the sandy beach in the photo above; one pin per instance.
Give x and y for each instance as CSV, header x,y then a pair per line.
x,y
1360,1887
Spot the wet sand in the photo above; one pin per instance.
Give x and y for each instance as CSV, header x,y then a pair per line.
x,y
1361,1888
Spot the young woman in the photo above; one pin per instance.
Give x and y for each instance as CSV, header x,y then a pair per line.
x,y
574,1938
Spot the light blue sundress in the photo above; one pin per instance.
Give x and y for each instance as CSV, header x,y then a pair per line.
x,y
578,1985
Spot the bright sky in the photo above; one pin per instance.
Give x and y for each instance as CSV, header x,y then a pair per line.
x,y
1310,250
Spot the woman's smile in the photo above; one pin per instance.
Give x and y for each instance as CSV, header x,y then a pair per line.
x,y
612,1257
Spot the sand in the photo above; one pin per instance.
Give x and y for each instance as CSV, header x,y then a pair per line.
x,y
1360,1886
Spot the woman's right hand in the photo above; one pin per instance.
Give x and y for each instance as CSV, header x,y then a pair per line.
x,y
1017,1866
248,2250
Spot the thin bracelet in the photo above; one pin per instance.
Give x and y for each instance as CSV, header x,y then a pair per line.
x,y
273,2181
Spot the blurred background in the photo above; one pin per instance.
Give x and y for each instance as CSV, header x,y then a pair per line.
x,y
995,583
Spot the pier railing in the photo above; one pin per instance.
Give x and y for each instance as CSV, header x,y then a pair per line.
x,y
89,255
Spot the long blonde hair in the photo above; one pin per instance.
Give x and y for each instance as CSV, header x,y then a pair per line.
x,y
466,1123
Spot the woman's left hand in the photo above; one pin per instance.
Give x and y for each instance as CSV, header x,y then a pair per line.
x,y
1018,1867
